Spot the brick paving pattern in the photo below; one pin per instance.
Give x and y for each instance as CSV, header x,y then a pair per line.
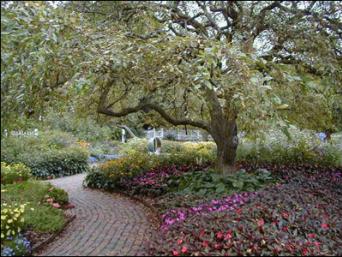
x,y
105,224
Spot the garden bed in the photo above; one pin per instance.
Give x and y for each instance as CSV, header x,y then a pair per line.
x,y
272,209
32,212
299,216
39,240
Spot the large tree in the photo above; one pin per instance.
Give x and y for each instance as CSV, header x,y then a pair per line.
x,y
214,65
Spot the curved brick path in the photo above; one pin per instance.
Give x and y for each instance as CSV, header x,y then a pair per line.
x,y
105,224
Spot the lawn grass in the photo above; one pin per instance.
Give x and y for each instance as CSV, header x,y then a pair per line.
x,y
39,216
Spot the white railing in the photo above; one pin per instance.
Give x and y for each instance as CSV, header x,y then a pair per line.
x,y
181,135
21,133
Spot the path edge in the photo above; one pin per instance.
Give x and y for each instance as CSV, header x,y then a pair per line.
x,y
47,241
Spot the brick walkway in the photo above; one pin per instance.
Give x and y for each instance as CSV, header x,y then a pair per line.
x,y
106,224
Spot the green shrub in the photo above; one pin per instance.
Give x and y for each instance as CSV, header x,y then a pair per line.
x,y
97,179
133,145
14,173
58,195
298,152
55,155
303,148
12,146
211,184
128,166
57,163
172,151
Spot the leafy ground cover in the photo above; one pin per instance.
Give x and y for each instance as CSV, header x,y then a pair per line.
x,y
30,212
299,216
267,209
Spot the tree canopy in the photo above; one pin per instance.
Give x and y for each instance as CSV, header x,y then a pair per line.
x,y
215,65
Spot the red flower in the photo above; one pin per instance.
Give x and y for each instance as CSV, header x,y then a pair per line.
x,y
238,211
219,235
285,215
184,249
217,246
285,229
261,222
290,247
305,251
311,235
317,243
175,253
228,235
202,233
179,241
205,243
325,226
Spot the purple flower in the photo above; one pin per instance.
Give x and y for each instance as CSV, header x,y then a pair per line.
x,y
225,204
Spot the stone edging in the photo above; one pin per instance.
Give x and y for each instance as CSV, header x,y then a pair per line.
x,y
41,245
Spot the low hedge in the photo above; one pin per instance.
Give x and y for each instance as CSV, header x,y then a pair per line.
x,y
48,156
57,163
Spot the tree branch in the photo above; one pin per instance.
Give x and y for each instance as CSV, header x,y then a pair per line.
x,y
145,105
177,122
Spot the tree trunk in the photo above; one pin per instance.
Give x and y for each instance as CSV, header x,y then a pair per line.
x,y
226,154
227,141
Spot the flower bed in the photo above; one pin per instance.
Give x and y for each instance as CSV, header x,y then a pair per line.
x,y
268,209
300,217
30,208
229,203
154,182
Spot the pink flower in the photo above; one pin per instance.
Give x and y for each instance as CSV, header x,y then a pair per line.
x,y
56,205
219,235
311,235
184,249
228,235
261,222
285,215
175,253
179,241
205,243
217,246
317,244
49,200
325,226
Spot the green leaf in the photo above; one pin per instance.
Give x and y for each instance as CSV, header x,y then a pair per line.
x,y
238,184
283,107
